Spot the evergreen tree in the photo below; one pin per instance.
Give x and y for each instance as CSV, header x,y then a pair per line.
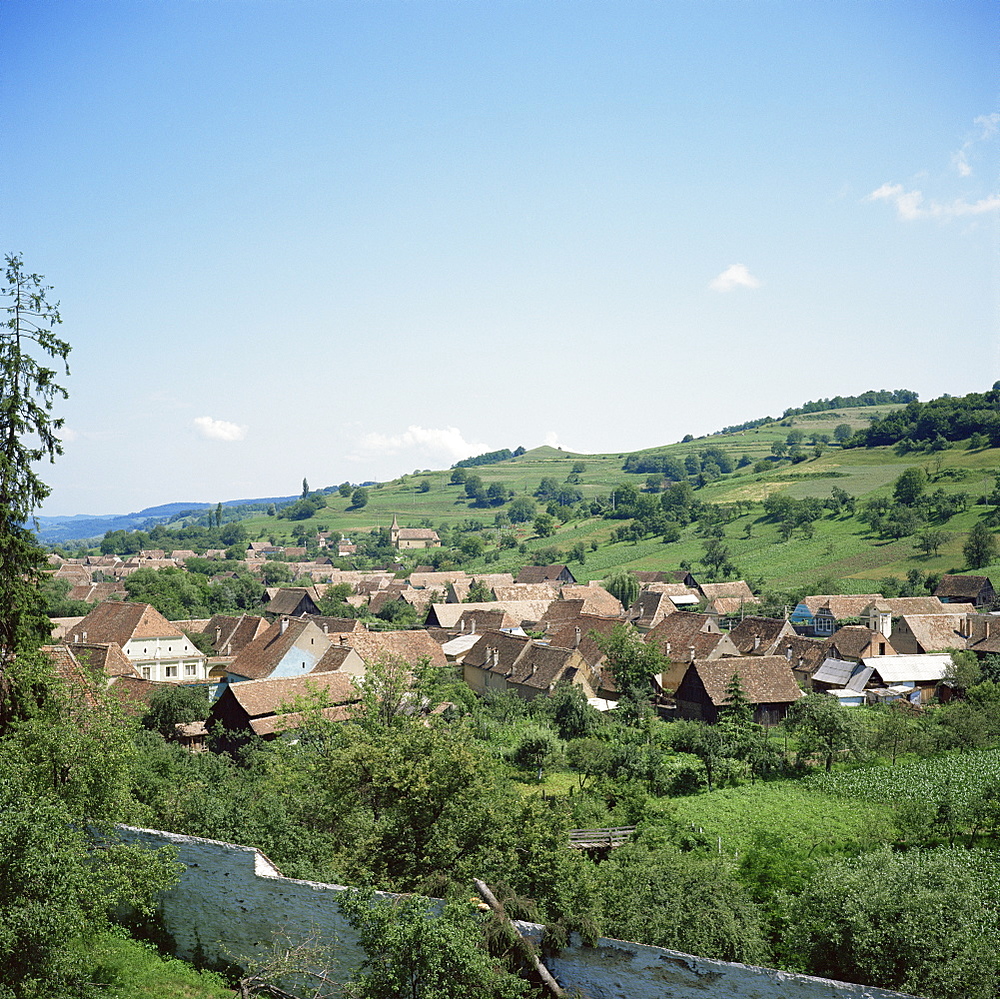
x,y
738,711
28,434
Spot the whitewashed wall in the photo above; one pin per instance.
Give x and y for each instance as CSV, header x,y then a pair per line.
x,y
231,902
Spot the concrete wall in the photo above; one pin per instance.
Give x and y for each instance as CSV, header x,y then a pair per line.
x,y
231,902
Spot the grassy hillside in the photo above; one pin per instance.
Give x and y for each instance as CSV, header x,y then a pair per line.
x,y
841,547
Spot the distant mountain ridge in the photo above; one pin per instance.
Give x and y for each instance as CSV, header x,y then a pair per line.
x,y
59,530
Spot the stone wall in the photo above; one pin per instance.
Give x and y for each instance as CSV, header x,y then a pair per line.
x,y
232,902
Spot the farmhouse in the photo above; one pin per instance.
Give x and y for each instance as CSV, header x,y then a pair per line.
x,y
158,649
500,661
266,708
977,590
767,683
289,647
918,675
545,574
760,636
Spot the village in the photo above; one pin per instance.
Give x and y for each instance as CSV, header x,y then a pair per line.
x,y
532,633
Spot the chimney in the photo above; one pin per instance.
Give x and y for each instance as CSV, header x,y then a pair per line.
x,y
218,635
690,653
666,649
987,633
472,625
229,648
788,653
326,628
576,638
756,642
284,625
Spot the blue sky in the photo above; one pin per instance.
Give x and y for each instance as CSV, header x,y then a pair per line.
x,y
345,240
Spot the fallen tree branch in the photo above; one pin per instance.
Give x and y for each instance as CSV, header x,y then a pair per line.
x,y
546,976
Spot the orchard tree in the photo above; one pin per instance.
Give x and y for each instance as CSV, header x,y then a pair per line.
x,y
823,727
980,549
31,359
522,510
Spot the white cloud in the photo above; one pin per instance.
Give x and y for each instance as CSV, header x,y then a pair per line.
x,y
988,126
447,443
989,123
552,439
734,276
219,430
911,205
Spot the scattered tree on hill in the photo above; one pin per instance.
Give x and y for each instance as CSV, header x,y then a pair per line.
x,y
909,487
930,541
522,509
359,498
980,549
544,525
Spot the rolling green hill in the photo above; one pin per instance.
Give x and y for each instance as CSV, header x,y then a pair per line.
x,y
841,547
837,550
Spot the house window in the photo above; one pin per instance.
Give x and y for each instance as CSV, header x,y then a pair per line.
x,y
171,671
145,672
189,669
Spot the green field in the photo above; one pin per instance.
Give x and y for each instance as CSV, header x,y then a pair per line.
x,y
808,820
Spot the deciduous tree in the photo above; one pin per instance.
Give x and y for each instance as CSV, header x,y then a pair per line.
x,y
980,549
624,585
